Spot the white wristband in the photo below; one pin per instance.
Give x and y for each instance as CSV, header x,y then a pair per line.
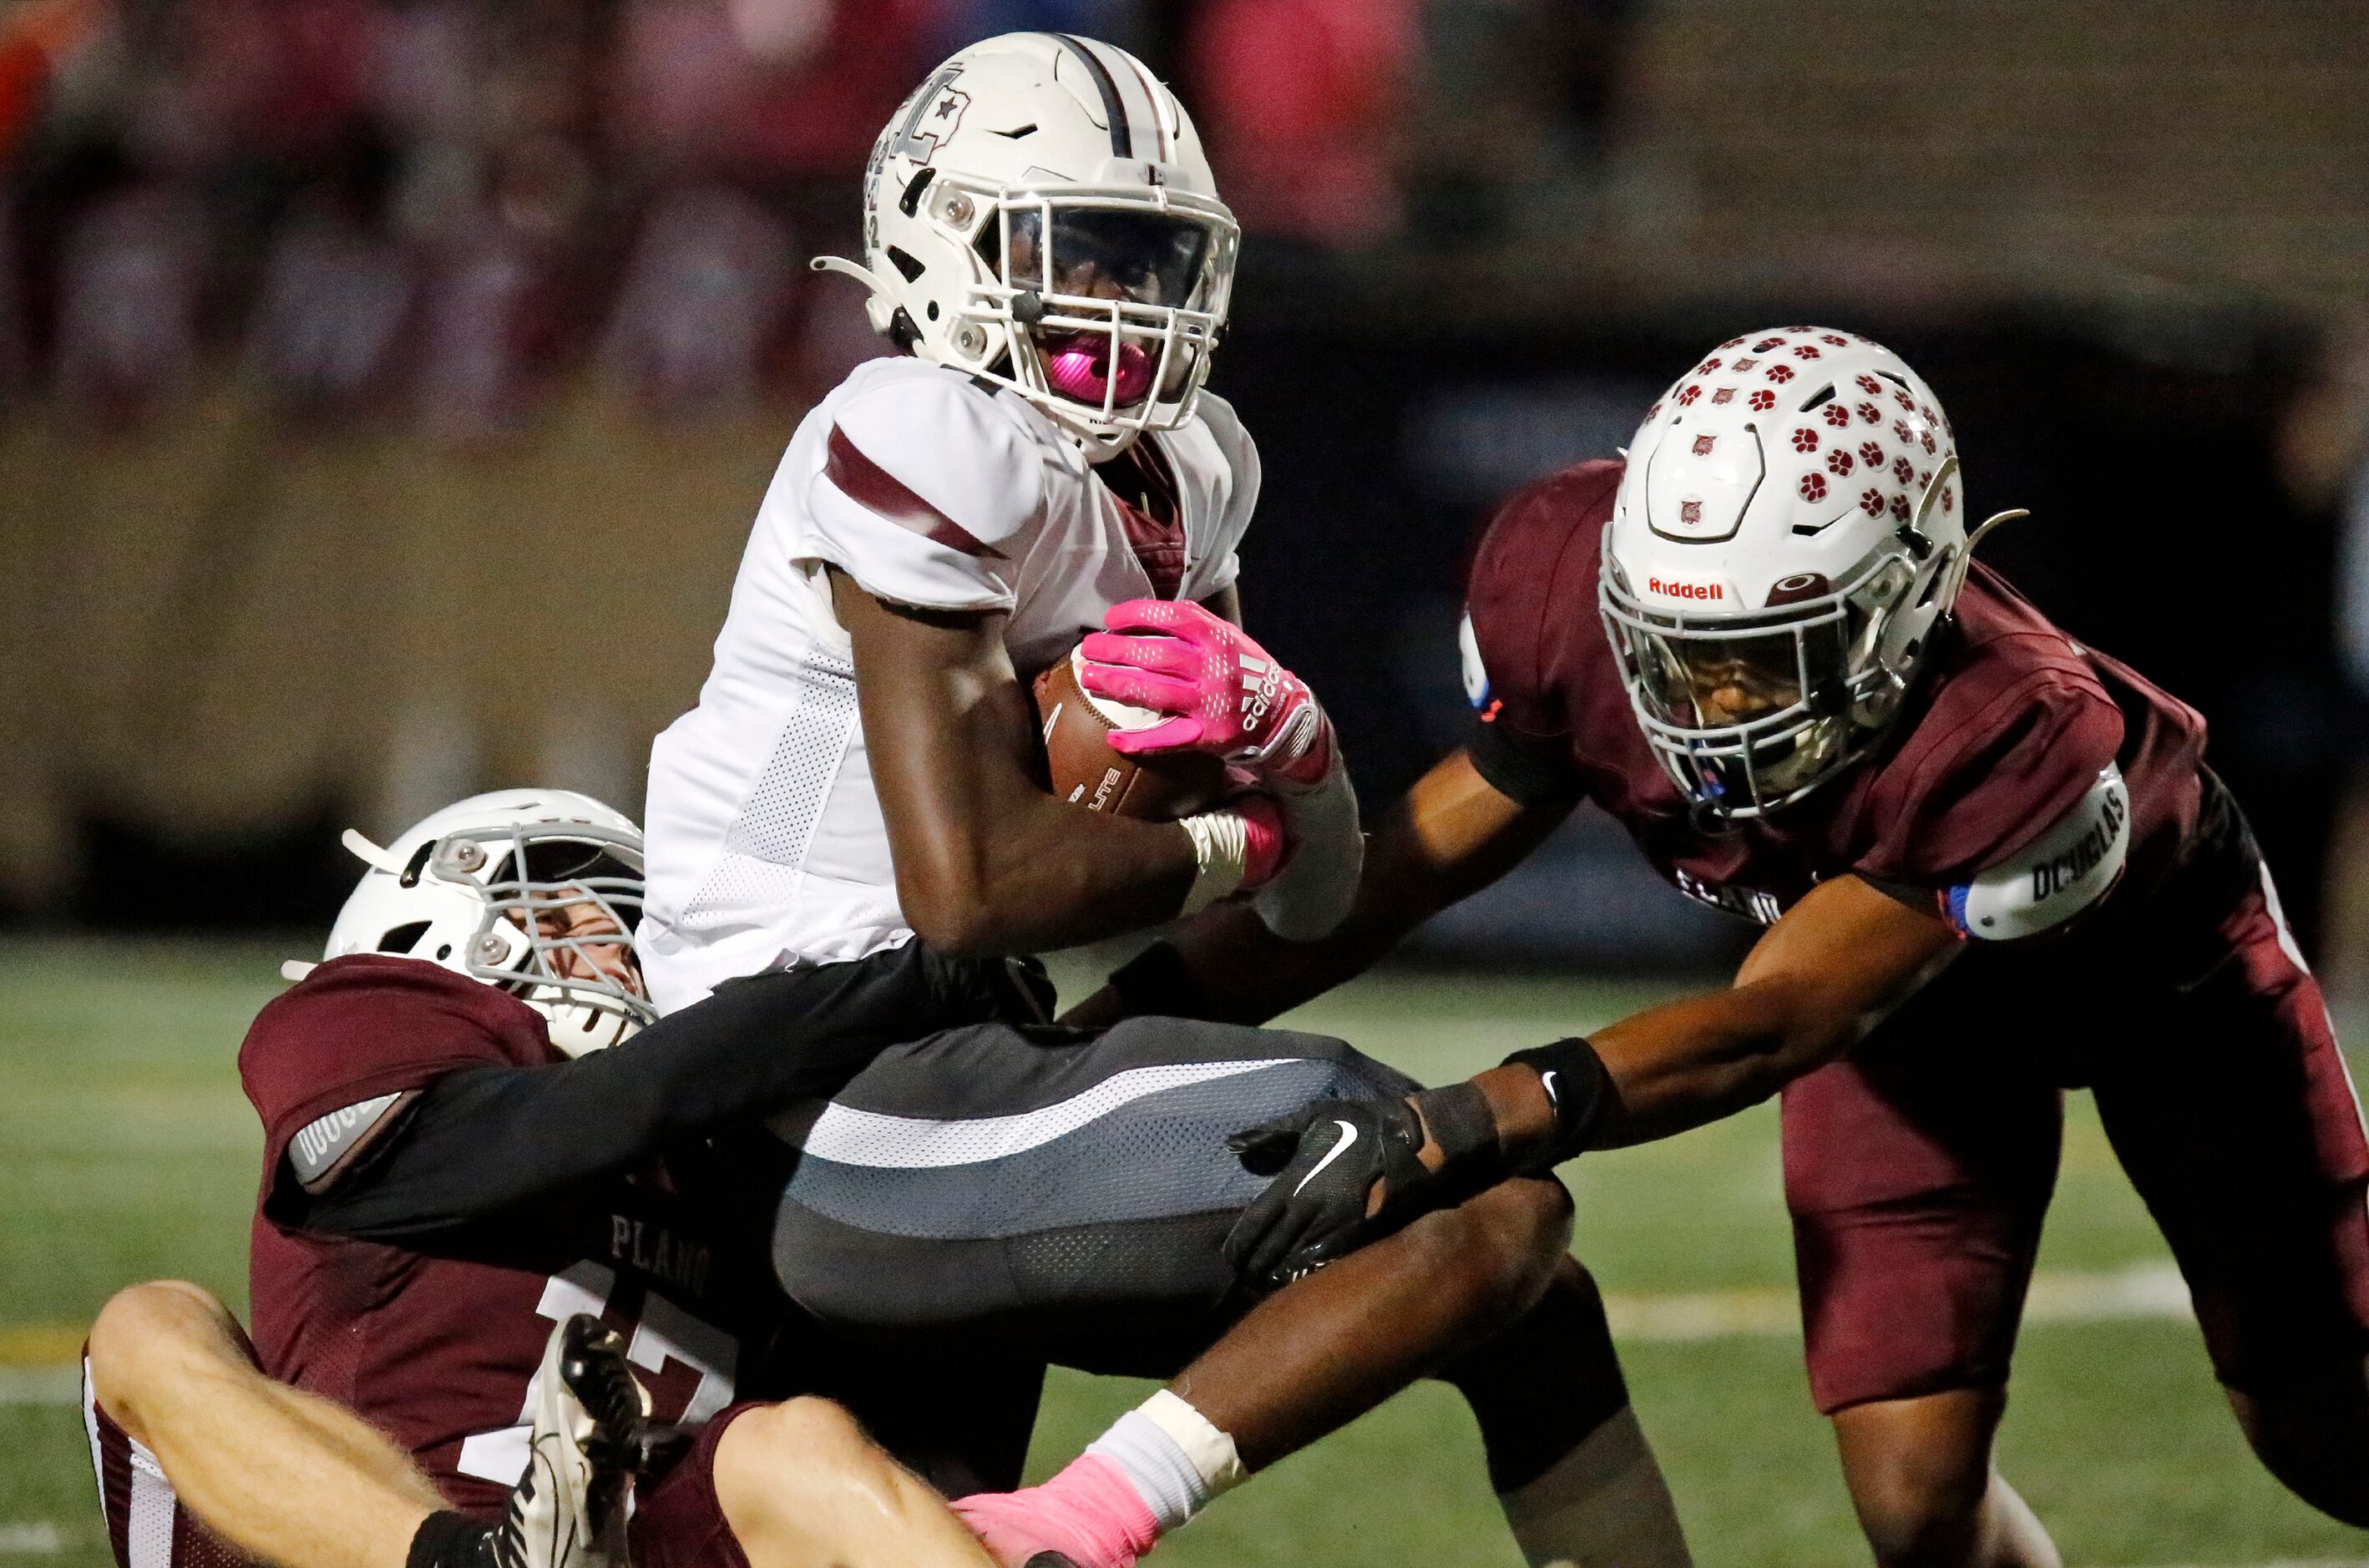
x,y
1222,851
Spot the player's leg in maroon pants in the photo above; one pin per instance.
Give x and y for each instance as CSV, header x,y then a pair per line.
x,y
272,1471
2237,1123
1917,1175
285,1476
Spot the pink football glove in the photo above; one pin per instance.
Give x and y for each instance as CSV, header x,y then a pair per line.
x,y
1223,693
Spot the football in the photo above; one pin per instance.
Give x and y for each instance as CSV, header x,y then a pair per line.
x,y
1085,771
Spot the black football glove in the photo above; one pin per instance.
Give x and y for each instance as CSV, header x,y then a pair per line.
x,y
1347,1171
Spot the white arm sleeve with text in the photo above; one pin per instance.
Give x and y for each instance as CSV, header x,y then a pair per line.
x,y
2065,870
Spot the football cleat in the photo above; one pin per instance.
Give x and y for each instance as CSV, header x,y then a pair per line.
x,y
568,1509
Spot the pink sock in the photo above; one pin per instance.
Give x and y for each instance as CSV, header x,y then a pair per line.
x,y
1089,1513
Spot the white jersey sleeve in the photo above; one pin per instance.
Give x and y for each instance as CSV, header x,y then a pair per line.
x,y
1216,567
926,495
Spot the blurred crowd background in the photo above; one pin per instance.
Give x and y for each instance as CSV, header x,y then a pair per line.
x,y
387,385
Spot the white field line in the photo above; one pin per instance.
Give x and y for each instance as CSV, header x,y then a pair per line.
x,y
37,1385
2140,1290
36,1538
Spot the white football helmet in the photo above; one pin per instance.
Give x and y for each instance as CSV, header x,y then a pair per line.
x,y
1039,214
1789,532
470,888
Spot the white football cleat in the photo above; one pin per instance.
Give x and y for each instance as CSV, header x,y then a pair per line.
x,y
568,1509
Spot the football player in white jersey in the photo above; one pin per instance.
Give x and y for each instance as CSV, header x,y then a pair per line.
x,y
1044,238
857,787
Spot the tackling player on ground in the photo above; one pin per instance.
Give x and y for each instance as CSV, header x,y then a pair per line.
x,y
860,782
474,1281
1992,863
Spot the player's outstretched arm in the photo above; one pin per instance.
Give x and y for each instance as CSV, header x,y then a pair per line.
x,y
1453,834
1813,985
987,860
1809,991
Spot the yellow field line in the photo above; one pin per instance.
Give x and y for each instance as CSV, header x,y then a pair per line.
x,y
40,1344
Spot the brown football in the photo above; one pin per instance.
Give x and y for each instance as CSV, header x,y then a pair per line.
x,y
1085,772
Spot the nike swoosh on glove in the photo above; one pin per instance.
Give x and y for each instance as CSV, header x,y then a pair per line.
x,y
1222,692
1328,1158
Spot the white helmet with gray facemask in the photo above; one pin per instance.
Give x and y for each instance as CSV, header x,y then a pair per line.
x,y
495,888
1039,215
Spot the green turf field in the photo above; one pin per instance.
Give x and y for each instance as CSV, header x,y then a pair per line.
x,y
127,1153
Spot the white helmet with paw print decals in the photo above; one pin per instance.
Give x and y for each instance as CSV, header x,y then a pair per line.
x,y
1789,532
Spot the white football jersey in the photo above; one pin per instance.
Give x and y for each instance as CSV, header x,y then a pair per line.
x,y
765,842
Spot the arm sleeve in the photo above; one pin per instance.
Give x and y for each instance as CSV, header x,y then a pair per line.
x,y
496,1139
926,496
1520,768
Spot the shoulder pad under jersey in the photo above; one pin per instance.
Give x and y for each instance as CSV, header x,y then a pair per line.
x,y
325,1146
2065,870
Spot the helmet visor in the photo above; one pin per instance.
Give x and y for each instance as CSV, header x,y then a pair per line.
x,y
1717,683
1757,710
1108,253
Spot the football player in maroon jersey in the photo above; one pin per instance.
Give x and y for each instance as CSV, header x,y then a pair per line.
x,y
445,1320
1992,863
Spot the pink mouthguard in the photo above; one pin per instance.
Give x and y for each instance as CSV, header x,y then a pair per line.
x,y
1079,367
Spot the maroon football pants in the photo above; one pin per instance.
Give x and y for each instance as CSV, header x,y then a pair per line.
x,y
1917,1172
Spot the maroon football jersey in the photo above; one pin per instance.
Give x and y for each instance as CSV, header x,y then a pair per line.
x,y
437,1350
2005,731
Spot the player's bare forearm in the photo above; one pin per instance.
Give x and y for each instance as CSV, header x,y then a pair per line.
x,y
987,860
1811,989
1451,835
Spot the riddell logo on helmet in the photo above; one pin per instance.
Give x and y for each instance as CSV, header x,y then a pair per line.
x,y
1685,589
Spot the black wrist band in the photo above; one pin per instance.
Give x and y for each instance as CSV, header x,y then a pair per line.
x,y
1577,1086
1157,982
